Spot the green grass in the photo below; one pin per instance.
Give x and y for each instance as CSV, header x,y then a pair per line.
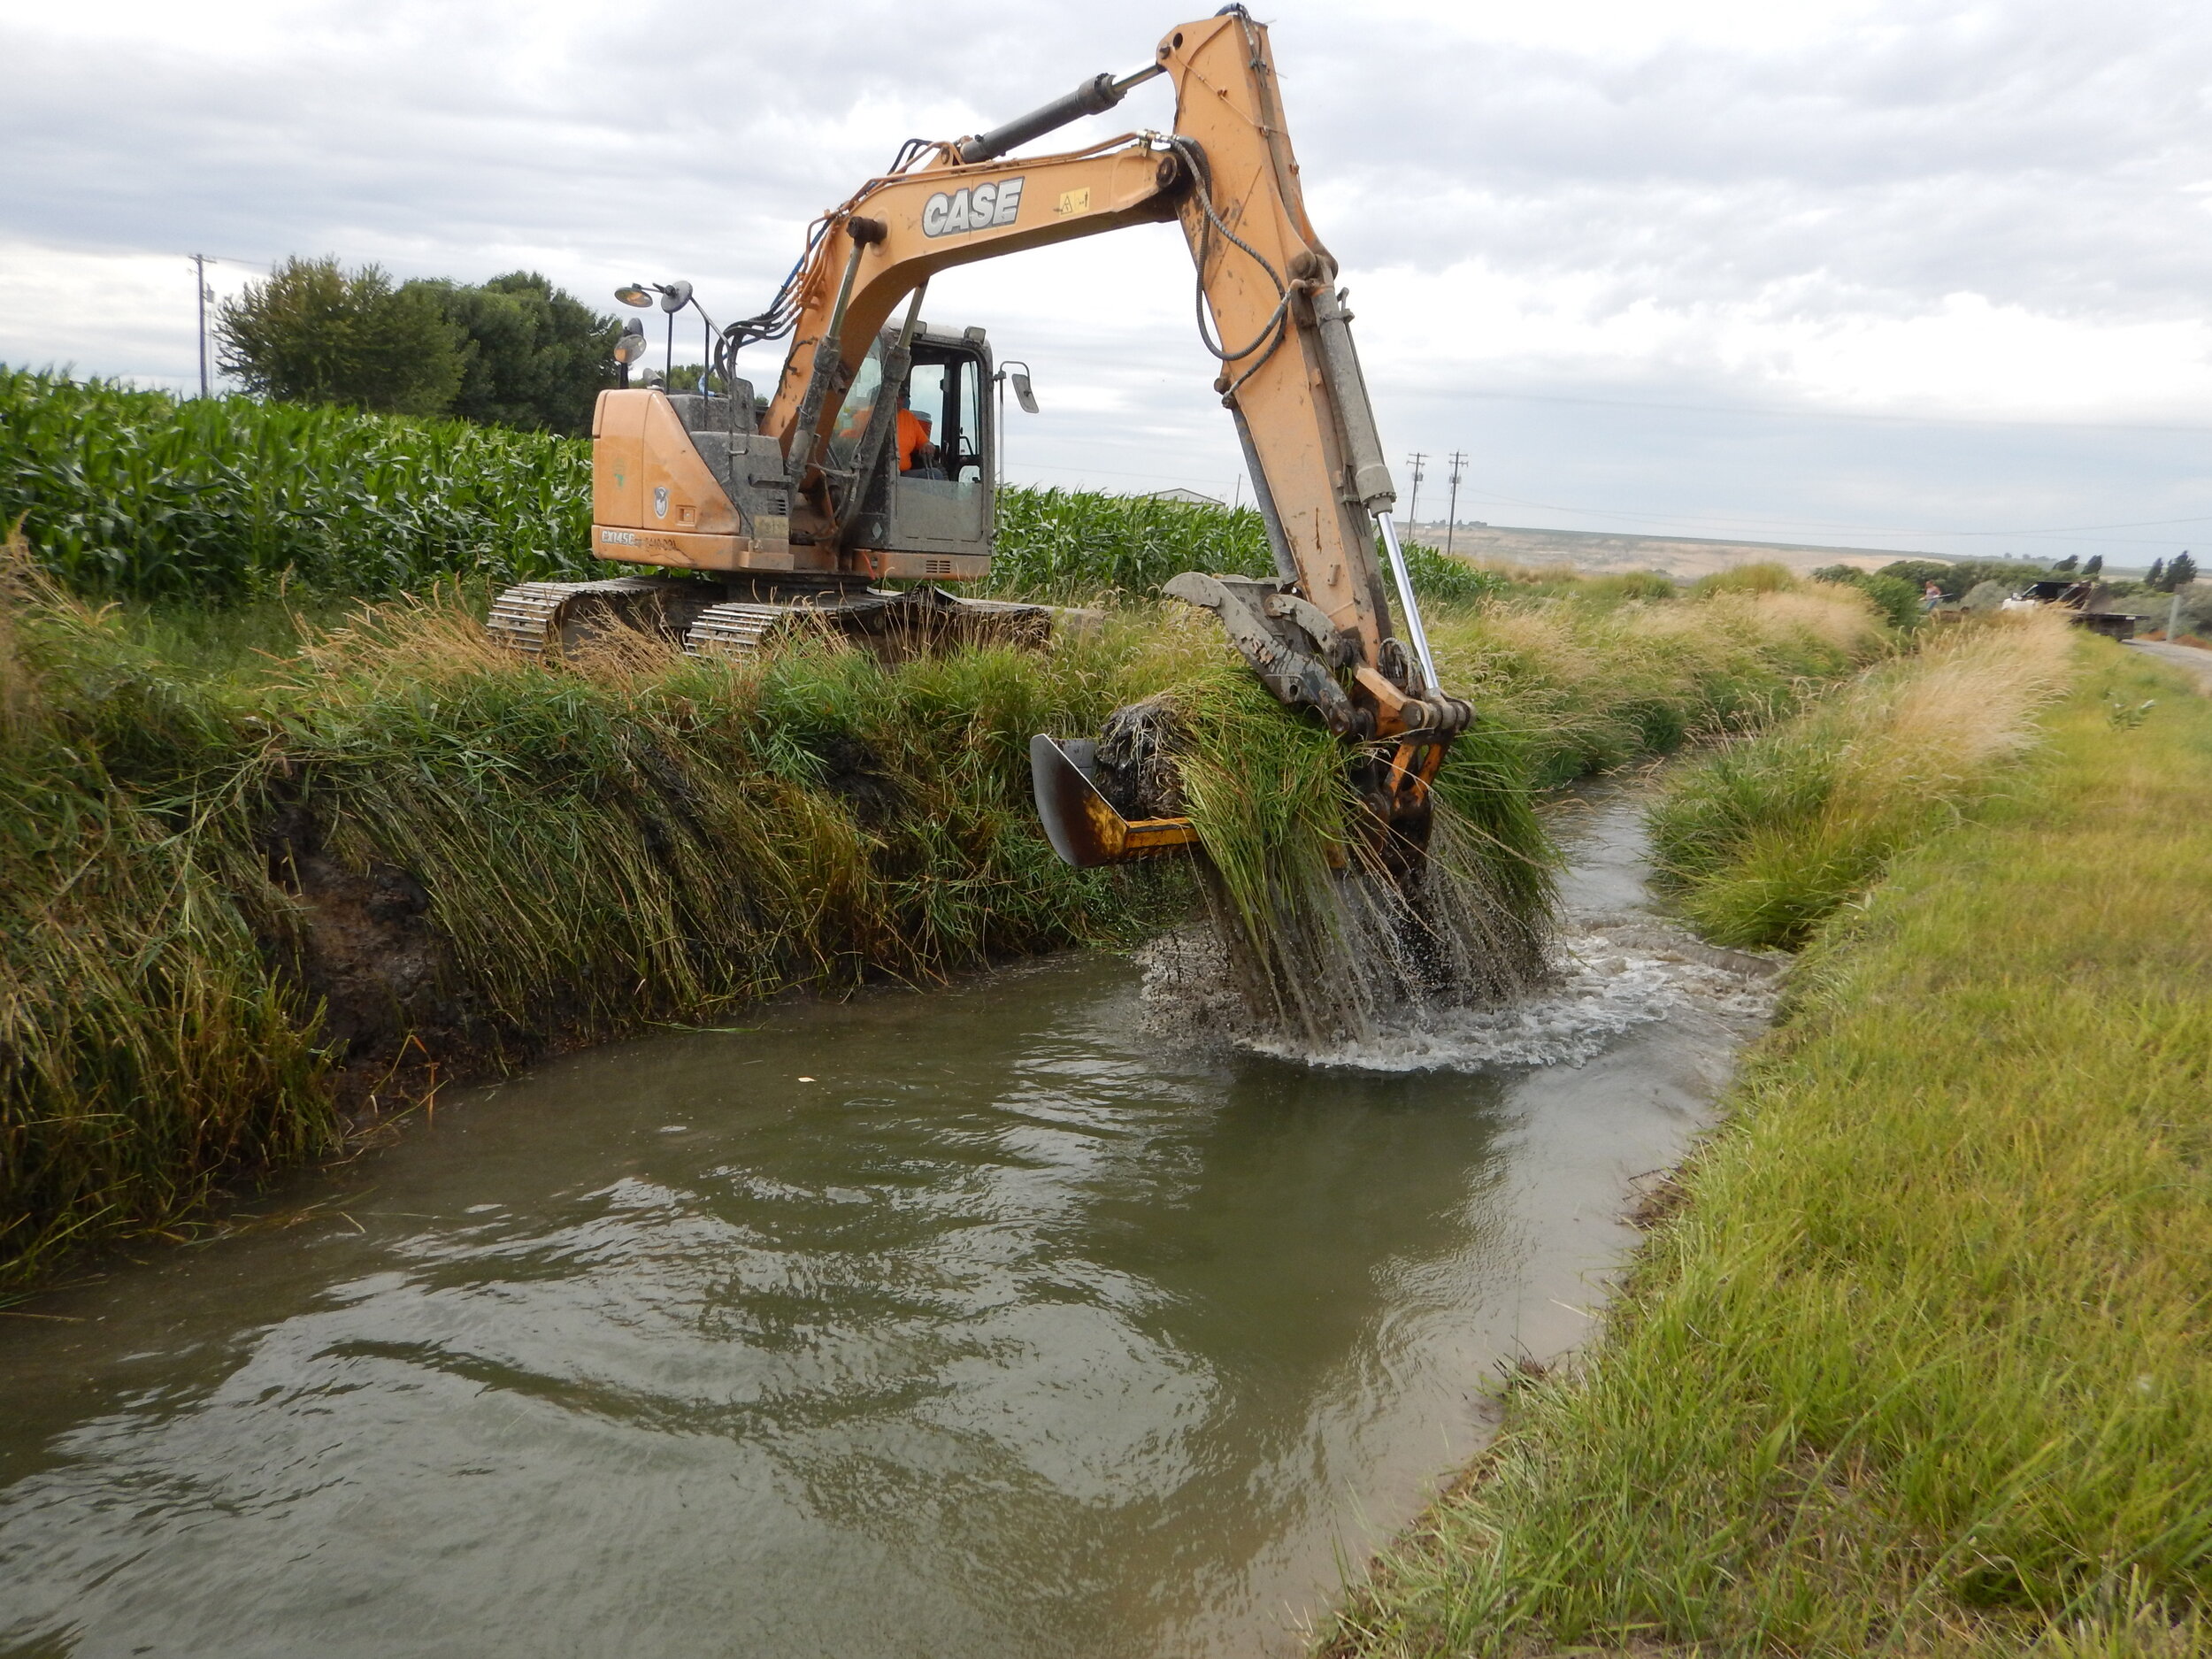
x,y
1920,1362
1318,930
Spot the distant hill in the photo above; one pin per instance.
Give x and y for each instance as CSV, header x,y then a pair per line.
x,y
1600,552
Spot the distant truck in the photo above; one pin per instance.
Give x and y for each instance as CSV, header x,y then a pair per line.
x,y
2085,599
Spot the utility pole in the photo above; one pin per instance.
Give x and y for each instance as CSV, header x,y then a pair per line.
x,y
1459,460
1413,502
200,291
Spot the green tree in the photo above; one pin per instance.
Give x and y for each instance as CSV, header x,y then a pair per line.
x,y
535,356
2095,566
2156,580
1896,598
2181,572
1920,572
2066,566
1959,578
317,334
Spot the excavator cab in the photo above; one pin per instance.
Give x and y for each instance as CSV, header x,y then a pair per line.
x,y
937,511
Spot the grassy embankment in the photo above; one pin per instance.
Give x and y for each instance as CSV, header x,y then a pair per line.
x,y
265,867
1918,1362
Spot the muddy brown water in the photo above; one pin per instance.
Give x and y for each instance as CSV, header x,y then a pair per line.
x,y
988,1321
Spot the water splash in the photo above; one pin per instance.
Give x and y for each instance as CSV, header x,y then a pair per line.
x,y
1611,974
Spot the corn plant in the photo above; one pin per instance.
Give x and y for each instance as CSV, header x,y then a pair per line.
x,y
134,494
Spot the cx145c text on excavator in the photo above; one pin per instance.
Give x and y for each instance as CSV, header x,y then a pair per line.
x,y
801,511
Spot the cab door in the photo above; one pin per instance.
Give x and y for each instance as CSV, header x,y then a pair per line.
x,y
941,503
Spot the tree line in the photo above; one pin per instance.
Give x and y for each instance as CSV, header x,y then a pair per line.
x,y
1955,577
515,352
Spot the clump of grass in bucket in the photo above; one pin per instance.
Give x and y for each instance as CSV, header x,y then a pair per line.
x,y
1323,943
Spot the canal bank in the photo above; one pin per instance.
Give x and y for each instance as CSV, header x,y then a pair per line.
x,y
262,879
1917,1364
991,1321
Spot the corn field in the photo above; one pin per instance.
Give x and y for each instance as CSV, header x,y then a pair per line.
x,y
134,494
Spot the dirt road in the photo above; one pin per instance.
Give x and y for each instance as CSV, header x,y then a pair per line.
x,y
2198,663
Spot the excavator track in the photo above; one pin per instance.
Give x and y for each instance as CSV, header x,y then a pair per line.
x,y
539,618
542,620
739,631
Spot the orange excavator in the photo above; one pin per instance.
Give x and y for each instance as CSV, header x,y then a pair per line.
x,y
801,507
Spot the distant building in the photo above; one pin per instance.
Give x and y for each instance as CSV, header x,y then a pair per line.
x,y
1190,495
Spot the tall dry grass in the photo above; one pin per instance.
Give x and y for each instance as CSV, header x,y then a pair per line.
x,y
1590,687
1766,838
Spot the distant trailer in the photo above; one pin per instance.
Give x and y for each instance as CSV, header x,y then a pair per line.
x,y
2081,598
2114,625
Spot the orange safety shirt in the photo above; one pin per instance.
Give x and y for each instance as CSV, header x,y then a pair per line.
x,y
913,434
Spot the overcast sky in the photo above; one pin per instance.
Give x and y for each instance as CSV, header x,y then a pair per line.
x,y
1914,275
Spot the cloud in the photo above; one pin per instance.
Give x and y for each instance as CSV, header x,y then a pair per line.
x,y
1654,261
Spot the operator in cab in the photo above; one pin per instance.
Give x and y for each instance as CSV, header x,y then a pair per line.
x,y
919,456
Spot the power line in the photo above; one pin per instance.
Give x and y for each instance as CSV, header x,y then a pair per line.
x,y
1413,503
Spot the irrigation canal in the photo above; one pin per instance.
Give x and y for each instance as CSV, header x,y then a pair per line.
x,y
983,1322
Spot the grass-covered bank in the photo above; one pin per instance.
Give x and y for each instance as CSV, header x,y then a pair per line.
x,y
1919,1362
262,870
1763,839
235,901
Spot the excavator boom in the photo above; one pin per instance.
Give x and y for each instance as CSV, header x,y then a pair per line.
x,y
1268,310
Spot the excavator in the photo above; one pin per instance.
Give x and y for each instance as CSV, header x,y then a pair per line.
x,y
764,515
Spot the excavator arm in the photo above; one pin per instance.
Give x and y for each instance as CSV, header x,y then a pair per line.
x,y
1321,635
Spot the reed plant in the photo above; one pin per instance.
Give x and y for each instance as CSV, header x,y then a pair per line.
x,y
1918,1362
1765,839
